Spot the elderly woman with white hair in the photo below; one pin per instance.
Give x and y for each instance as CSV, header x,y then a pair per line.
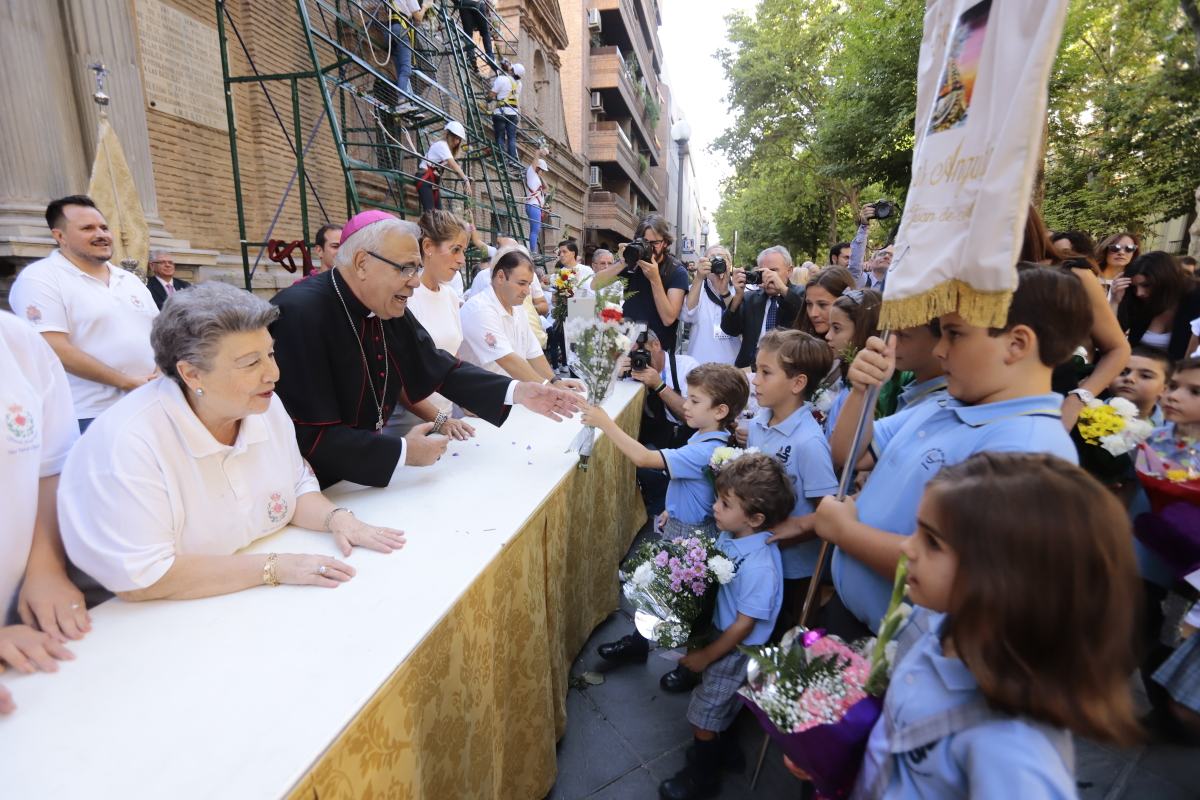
x,y
184,472
706,301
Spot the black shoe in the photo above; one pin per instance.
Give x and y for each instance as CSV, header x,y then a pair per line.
x,y
696,780
679,680
631,649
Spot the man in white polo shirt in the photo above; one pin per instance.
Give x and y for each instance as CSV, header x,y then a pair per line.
x,y
496,332
96,317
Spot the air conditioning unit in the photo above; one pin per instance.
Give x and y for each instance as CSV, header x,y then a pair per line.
x,y
593,18
597,102
594,178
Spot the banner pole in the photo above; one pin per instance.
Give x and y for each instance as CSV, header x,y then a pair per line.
x,y
843,490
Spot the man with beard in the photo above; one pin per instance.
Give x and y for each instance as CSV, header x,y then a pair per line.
x,y
95,316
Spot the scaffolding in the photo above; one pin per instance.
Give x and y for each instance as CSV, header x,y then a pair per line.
x,y
380,133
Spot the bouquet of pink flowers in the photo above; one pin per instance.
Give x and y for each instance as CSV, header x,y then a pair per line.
x,y
819,697
672,584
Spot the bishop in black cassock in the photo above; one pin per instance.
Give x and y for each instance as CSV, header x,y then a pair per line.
x,y
343,368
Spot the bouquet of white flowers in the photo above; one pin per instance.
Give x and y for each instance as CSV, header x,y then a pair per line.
x,y
672,583
594,345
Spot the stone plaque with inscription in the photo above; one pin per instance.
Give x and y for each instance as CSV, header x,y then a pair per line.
x,y
181,64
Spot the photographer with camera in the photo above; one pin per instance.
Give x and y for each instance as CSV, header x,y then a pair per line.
x,y
774,303
877,268
655,281
705,304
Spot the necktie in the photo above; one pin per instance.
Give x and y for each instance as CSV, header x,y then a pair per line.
x,y
171,288
772,313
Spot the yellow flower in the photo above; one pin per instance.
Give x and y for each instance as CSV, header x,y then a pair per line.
x,y
1098,421
1177,475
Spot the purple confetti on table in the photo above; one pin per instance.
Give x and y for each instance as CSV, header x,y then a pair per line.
x,y
454,454
528,447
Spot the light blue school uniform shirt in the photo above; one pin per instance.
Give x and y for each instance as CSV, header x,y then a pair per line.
x,y
690,494
1002,758
800,447
756,589
911,446
916,393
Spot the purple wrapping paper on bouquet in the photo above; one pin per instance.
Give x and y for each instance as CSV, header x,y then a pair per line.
x,y
1173,532
830,754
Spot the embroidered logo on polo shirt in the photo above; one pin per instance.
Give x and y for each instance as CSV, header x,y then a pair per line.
x,y
933,460
33,313
19,424
490,339
277,508
137,301
784,455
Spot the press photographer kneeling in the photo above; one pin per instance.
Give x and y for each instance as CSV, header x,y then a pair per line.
x,y
664,374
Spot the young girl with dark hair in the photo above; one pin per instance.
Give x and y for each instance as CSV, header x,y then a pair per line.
x,y
1011,650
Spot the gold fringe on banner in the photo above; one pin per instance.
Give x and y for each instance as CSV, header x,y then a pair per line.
x,y
984,309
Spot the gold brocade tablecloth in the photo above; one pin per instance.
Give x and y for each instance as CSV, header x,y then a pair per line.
x,y
476,710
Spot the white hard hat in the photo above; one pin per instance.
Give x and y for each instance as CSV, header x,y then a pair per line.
x,y
541,164
455,127
519,70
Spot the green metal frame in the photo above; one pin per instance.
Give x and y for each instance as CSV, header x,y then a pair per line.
x,y
356,92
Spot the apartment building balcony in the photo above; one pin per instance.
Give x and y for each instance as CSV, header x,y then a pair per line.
x,y
609,76
608,144
608,211
622,25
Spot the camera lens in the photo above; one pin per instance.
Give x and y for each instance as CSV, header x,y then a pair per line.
x,y
719,266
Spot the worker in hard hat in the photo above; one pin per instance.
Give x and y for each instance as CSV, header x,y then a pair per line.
x,y
506,93
535,200
440,157
474,16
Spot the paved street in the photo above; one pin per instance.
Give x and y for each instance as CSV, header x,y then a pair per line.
x,y
626,735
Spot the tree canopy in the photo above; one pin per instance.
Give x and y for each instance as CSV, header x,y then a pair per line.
x,y
823,92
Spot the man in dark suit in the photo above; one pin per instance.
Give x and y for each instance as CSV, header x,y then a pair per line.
x,y
162,282
751,314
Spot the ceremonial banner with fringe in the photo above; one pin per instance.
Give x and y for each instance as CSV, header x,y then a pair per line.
x,y
115,194
981,107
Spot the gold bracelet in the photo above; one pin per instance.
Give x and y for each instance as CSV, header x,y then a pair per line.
x,y
269,577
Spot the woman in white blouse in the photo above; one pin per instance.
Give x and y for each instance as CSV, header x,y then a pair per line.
x,y
184,472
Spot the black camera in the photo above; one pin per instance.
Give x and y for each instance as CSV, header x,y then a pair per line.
x,y
719,267
635,251
639,356
883,209
754,278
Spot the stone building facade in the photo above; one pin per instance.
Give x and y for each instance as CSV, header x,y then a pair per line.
x,y
168,107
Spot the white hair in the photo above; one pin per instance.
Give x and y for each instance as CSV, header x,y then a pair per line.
x,y
783,251
371,237
600,251
159,255
718,250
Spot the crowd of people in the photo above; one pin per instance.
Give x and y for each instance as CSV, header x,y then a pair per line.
x,y
156,430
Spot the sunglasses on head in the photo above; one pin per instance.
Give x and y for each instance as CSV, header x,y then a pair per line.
x,y
1117,248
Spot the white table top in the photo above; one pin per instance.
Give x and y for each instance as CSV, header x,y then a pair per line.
x,y
238,696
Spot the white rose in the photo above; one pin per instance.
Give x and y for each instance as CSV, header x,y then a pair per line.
x,y
643,576
1115,444
623,343
1138,430
723,568
1126,409
823,401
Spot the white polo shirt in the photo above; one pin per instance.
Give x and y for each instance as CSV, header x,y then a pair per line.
x,y
490,331
149,482
37,429
110,322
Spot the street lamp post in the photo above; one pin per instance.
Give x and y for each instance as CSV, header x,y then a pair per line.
x,y
681,132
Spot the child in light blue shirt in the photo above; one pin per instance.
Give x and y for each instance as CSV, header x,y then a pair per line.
x,y
1010,650
788,364
717,393
753,495
1000,400
853,318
